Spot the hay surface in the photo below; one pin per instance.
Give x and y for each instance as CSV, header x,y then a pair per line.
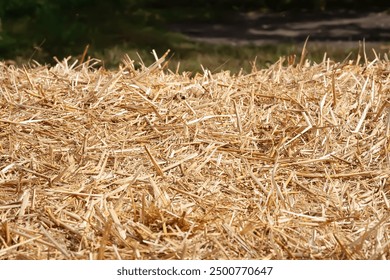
x,y
291,162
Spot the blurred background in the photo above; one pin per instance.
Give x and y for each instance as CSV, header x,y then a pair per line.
x,y
218,35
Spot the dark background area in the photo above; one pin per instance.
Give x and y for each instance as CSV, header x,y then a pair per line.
x,y
42,29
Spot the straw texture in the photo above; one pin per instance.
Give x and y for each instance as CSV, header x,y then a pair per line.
x,y
290,162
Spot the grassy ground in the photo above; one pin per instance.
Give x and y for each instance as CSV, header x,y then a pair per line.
x,y
185,55
115,36
193,56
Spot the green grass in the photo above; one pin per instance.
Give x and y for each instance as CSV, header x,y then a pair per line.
x,y
193,56
111,38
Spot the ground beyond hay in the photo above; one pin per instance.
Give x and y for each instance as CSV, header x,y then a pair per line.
x,y
290,162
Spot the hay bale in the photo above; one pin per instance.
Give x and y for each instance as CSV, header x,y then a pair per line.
x,y
290,162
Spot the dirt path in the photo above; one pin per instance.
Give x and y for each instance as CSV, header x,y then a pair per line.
x,y
338,27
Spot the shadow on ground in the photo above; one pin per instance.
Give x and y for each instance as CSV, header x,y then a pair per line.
x,y
270,28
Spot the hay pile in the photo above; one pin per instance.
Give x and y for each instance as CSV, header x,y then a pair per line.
x,y
290,162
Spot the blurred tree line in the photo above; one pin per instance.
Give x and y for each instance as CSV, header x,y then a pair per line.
x,y
66,26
